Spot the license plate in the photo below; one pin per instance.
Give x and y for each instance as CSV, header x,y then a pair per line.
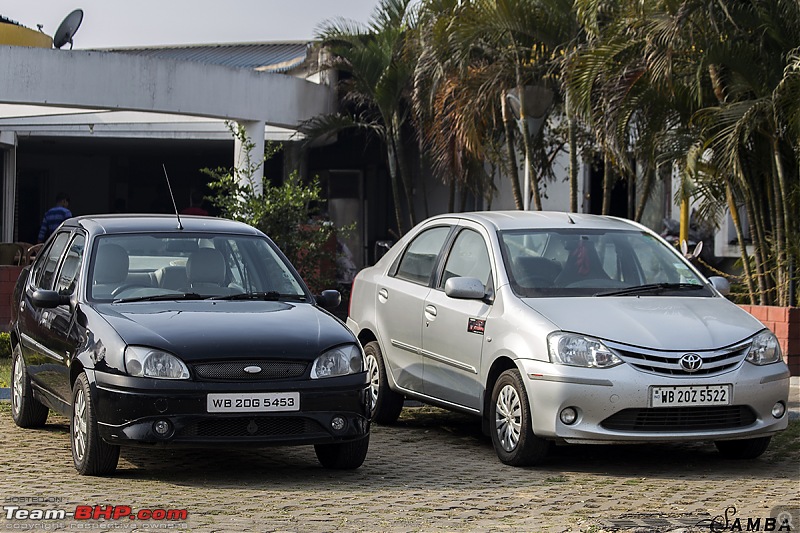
x,y
253,402
690,396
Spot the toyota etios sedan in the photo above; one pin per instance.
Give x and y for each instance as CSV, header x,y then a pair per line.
x,y
151,330
566,328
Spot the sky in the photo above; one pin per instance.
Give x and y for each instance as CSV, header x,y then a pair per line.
x,y
127,23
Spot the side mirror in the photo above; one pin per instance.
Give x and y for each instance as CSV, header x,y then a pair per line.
x,y
329,299
465,288
721,284
49,299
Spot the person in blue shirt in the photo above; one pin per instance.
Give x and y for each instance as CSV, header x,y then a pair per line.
x,y
55,216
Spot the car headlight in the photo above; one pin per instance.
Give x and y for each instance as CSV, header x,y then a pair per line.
x,y
764,349
577,350
141,361
339,361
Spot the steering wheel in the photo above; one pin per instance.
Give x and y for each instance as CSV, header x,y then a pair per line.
x,y
125,287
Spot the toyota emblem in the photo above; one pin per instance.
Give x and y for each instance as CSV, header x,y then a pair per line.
x,y
252,369
691,362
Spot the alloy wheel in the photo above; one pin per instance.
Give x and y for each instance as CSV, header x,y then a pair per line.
x,y
79,425
374,380
16,389
508,418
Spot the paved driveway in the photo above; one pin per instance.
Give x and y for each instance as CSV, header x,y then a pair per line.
x,y
434,471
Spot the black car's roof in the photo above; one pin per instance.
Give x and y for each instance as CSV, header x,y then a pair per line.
x,y
154,223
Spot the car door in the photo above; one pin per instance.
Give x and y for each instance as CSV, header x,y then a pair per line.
x,y
452,333
400,300
44,365
62,335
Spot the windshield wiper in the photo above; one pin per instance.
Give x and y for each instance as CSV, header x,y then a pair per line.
x,y
163,297
271,296
652,287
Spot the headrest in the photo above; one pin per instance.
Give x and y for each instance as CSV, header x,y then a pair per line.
x,y
111,264
206,265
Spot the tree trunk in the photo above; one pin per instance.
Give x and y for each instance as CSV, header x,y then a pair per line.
x,y
573,157
782,223
607,185
526,142
513,171
403,168
644,196
398,214
737,224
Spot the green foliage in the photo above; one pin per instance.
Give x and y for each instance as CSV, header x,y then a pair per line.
x,y
5,345
286,213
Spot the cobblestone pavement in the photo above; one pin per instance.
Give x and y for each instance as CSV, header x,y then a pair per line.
x,y
434,471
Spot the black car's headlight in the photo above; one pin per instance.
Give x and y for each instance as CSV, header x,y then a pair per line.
x,y
141,361
338,361
577,350
764,349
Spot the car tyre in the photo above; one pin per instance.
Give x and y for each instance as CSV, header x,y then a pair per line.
x,y
90,453
343,455
510,423
385,404
26,410
742,449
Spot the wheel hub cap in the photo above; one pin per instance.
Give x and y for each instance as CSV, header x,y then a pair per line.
x,y
79,425
374,383
508,418
16,393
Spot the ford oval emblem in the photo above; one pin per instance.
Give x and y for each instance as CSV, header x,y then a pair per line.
x,y
252,369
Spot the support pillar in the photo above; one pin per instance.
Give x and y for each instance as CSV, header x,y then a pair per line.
x,y
8,143
249,156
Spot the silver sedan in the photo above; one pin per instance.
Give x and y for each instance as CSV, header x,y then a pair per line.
x,y
557,327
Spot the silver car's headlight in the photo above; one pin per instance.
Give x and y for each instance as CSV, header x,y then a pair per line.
x,y
338,361
141,361
764,349
577,350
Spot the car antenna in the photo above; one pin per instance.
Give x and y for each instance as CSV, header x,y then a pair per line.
x,y
569,218
180,226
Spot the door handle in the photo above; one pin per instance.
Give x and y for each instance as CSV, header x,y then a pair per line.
x,y
383,293
430,310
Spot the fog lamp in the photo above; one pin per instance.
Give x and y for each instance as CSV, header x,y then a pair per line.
x,y
338,423
778,410
568,415
162,427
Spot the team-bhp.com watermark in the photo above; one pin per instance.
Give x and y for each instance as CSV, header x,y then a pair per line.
x,y
34,513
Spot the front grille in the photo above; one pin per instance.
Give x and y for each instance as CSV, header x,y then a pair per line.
x,y
234,370
687,419
668,362
257,426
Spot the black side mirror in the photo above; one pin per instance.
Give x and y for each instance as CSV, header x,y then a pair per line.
x,y
329,299
49,299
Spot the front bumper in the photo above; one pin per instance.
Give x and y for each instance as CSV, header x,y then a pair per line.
x,y
613,405
128,408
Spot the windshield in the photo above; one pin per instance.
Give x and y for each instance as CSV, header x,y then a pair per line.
x,y
188,266
575,262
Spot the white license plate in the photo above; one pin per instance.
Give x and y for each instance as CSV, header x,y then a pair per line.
x,y
690,396
253,402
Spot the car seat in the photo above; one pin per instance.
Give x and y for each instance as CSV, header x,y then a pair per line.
x,y
582,263
205,269
110,270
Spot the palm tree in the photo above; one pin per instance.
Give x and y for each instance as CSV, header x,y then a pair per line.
x,y
375,89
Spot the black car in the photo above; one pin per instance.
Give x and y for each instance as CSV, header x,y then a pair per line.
x,y
149,330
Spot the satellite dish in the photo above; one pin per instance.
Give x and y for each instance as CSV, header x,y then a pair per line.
x,y
66,30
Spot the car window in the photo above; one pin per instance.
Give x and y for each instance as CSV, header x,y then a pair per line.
x,y
468,258
68,275
576,262
44,277
138,265
420,256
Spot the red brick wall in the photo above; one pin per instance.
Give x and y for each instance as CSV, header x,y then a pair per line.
x,y
785,324
8,278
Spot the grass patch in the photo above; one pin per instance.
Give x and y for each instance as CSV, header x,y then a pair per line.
x,y
556,479
786,442
5,372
